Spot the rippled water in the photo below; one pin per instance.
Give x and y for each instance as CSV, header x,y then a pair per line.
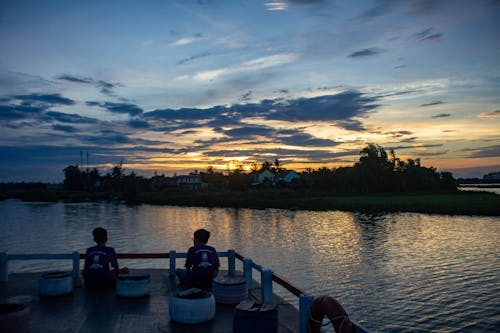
x,y
401,272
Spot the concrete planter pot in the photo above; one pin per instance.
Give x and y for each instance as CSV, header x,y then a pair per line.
x,y
229,290
55,284
14,318
192,306
129,285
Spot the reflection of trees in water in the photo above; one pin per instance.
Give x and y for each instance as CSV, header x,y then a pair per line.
x,y
373,232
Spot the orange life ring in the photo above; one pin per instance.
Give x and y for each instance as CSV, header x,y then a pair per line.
x,y
328,306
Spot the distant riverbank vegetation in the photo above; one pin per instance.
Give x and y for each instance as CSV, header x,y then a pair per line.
x,y
378,182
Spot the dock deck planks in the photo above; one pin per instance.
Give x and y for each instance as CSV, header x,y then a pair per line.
x,y
92,311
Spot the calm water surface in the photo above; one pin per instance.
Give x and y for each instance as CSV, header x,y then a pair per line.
x,y
401,272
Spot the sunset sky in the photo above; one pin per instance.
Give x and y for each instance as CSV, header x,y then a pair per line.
x,y
174,86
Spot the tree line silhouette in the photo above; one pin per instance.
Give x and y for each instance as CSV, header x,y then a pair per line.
x,y
376,171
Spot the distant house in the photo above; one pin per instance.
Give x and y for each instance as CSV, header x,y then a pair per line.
x,y
492,176
189,182
290,176
265,176
269,178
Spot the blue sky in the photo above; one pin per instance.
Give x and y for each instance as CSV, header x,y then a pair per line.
x,y
174,86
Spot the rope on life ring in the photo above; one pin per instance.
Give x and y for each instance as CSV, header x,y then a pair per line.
x,y
330,307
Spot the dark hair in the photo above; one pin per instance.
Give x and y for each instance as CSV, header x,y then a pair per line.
x,y
100,235
202,235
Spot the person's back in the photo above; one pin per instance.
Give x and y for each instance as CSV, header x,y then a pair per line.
x,y
99,260
97,273
204,262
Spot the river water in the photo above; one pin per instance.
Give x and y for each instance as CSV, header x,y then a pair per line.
x,y
401,272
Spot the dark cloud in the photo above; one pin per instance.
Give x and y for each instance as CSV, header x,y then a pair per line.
x,y
432,103
441,115
106,88
193,57
50,99
13,112
32,106
110,137
427,35
65,128
250,132
399,134
340,108
75,79
246,96
298,138
369,52
291,137
185,114
137,123
432,37
397,93
69,118
123,108
482,152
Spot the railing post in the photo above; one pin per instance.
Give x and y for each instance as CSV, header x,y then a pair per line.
x,y
247,270
76,267
304,304
266,277
231,263
171,270
4,267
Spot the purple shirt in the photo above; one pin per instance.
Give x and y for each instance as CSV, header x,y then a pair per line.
x,y
97,272
203,261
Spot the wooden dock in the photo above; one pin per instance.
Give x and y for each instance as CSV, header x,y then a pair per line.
x,y
104,311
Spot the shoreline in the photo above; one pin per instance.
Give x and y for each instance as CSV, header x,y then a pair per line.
x,y
449,203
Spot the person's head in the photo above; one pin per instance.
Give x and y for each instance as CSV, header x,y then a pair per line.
x,y
100,235
201,236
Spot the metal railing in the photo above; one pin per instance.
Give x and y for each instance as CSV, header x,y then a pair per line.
x,y
266,275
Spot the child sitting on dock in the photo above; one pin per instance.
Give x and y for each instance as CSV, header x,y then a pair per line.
x,y
202,262
98,259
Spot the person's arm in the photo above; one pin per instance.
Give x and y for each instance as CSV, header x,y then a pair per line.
x,y
113,260
189,259
216,263
86,264
216,260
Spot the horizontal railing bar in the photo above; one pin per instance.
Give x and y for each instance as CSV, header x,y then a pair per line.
x,y
276,278
40,256
53,256
287,285
165,255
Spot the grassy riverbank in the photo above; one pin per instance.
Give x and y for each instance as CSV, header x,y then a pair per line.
x,y
459,202
465,203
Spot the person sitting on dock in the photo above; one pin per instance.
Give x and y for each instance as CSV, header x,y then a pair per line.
x,y
202,262
98,259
